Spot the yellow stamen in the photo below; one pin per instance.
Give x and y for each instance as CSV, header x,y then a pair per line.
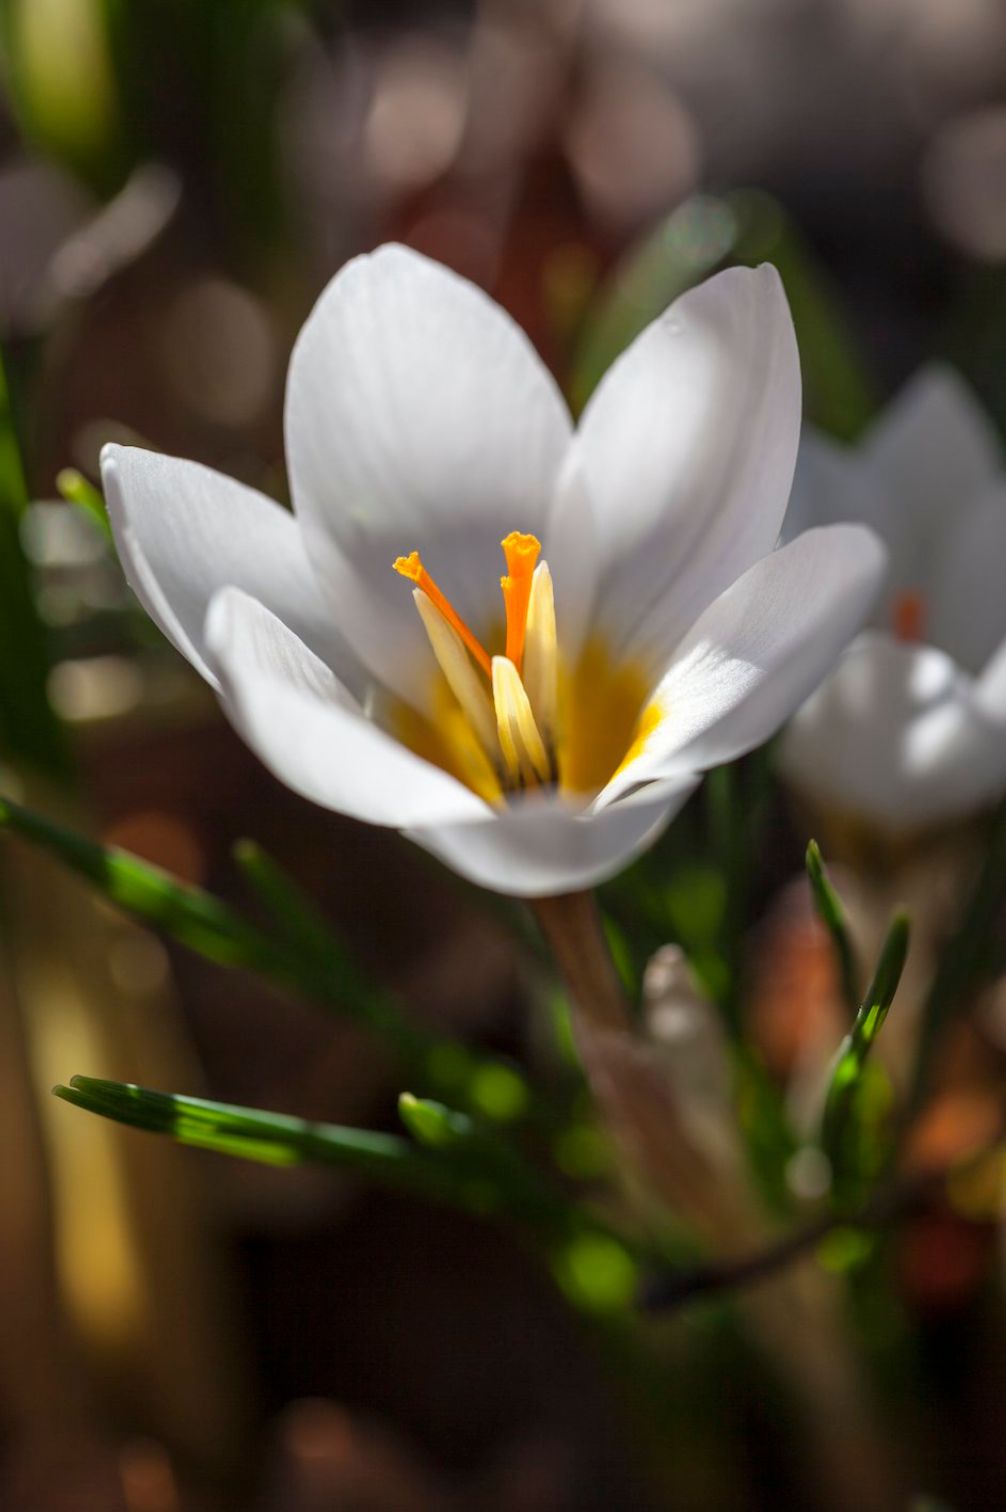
x,y
541,655
411,567
462,678
523,748
908,613
521,553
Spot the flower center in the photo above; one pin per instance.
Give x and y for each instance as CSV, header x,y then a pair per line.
x,y
497,720
513,717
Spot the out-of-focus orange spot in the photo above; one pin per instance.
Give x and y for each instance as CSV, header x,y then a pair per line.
x,y
318,1432
794,1002
148,1481
161,838
955,1126
908,615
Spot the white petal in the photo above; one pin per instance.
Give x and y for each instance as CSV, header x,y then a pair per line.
x,y
833,485
570,547
184,531
933,450
896,736
541,847
688,447
990,689
310,733
830,486
966,615
418,416
758,651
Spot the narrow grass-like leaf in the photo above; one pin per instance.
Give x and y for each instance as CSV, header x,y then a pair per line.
x,y
252,1134
475,1173
29,730
309,960
322,956
841,1124
432,1123
832,915
76,489
473,1148
186,913
838,390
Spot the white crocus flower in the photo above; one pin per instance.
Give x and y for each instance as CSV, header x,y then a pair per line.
x,y
535,741
910,730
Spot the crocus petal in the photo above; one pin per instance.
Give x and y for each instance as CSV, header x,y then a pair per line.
x,y
932,451
757,652
310,733
688,447
834,485
184,531
990,689
418,416
897,736
540,847
966,614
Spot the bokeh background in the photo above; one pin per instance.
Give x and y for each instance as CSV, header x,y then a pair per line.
x,y
178,180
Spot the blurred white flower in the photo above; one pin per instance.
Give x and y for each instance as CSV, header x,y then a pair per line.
x,y
910,730
535,742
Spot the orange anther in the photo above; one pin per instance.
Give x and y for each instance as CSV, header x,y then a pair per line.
x,y
521,552
411,567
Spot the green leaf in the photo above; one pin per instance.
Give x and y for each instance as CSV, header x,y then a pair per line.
x,y
29,730
252,1134
308,959
188,914
76,489
454,1163
432,1124
838,390
846,1128
324,962
832,915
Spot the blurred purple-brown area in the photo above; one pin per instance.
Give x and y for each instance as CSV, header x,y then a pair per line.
x,y
178,179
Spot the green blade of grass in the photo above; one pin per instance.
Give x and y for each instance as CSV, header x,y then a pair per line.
x,y
841,1135
309,960
29,730
186,913
832,915
76,489
269,1138
470,1170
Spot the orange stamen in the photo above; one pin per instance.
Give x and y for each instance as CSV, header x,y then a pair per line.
x,y
521,552
908,615
412,568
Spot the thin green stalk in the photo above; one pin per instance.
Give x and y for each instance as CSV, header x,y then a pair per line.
x,y
29,730
832,915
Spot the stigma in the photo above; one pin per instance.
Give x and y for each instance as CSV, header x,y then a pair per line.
x,y
508,700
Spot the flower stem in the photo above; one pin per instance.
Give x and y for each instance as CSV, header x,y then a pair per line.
x,y
571,923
